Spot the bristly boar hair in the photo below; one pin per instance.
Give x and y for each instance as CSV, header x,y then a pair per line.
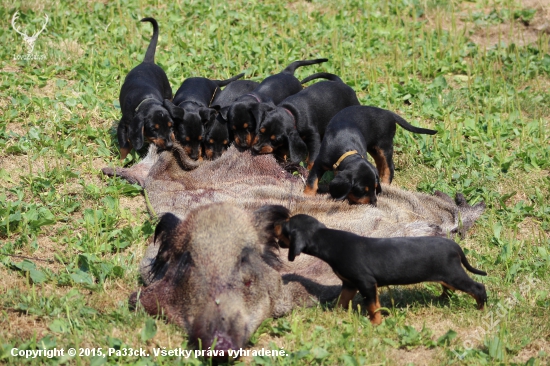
x,y
211,215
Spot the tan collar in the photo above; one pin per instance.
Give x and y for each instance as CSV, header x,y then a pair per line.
x,y
345,155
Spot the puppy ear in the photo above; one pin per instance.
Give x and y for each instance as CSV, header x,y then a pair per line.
x,y
379,186
175,111
259,110
207,114
135,131
223,113
122,134
340,186
297,244
297,148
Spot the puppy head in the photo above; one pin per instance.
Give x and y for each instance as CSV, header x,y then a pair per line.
x,y
276,131
242,118
295,233
190,129
216,139
154,122
359,185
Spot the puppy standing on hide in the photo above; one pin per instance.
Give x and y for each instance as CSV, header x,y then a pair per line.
x,y
296,126
273,89
217,135
145,101
365,264
193,111
351,133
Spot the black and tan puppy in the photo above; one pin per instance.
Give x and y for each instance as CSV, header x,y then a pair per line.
x,y
144,101
193,100
352,132
273,89
364,264
217,135
296,126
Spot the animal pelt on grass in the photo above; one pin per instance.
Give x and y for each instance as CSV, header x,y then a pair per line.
x,y
252,181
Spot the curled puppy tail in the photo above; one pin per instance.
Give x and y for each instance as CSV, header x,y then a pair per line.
x,y
296,64
322,75
150,54
466,264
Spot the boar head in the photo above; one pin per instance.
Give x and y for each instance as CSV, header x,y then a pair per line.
x,y
218,273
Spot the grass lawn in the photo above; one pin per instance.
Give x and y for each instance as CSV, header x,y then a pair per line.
x,y
71,239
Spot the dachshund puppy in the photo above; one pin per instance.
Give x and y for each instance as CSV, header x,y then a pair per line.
x,y
193,98
145,103
297,125
217,135
273,89
352,132
365,264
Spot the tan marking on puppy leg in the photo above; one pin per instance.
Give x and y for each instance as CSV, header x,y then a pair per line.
x,y
374,316
310,165
382,166
238,141
346,296
249,139
256,140
312,191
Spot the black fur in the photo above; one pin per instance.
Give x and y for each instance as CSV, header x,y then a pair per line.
x,y
193,98
142,101
217,135
365,264
363,129
297,125
273,89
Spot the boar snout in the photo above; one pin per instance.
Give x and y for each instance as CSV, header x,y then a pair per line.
x,y
214,273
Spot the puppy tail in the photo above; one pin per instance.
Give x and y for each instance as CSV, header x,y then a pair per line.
x,y
406,125
466,264
296,64
227,81
322,75
150,54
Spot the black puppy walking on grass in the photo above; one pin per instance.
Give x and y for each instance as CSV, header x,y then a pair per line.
x,y
145,101
349,135
364,264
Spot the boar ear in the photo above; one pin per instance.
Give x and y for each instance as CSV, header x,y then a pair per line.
x,y
175,111
340,186
296,147
164,232
281,233
265,219
297,244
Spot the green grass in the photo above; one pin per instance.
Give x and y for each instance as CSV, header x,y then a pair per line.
x,y
71,239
